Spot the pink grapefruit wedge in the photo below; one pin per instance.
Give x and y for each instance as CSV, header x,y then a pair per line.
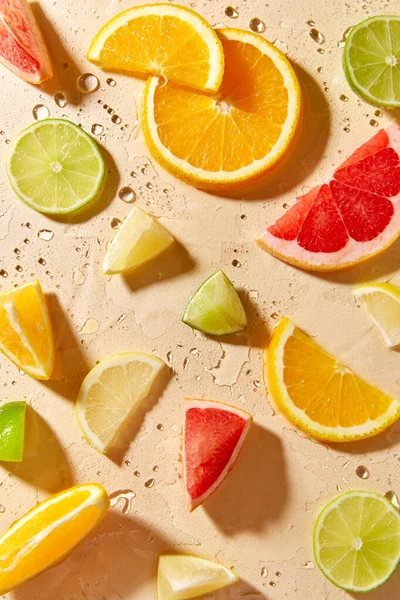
x,y
213,436
355,216
22,48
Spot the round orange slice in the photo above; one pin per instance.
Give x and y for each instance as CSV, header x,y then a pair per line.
x,y
167,40
48,533
318,394
225,140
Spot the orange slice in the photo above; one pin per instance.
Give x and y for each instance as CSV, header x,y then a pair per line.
x,y
222,141
318,394
48,533
164,39
26,336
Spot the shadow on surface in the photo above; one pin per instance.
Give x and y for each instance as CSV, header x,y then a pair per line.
x,y
386,439
256,490
118,452
44,463
70,365
172,263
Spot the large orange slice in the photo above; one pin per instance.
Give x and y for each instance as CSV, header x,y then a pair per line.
x,y
168,40
47,534
26,336
22,48
225,140
353,217
318,394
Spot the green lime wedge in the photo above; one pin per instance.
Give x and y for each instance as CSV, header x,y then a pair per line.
x,y
55,167
357,541
371,60
216,308
12,431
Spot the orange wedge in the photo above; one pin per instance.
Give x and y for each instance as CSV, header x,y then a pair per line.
x,y
318,394
166,40
48,533
225,140
26,336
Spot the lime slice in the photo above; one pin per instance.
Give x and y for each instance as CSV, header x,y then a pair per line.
x,y
216,308
371,60
12,431
382,303
55,167
139,239
357,541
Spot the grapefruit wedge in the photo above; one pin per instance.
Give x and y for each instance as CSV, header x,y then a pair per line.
x,y
213,436
355,216
22,47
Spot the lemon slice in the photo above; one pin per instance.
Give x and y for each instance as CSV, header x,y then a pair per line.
x,y
182,577
357,541
139,239
382,303
110,394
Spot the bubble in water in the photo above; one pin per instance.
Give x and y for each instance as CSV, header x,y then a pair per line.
x,y
317,36
392,497
362,472
97,129
116,119
89,327
115,223
149,483
87,83
231,12
126,496
257,25
127,194
40,111
60,99
264,572
373,123
311,23
46,235
343,98
111,82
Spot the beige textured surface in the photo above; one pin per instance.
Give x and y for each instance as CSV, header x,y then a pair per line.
x,y
261,520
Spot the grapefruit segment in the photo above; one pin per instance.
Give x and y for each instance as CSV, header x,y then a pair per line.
x,y
214,434
22,48
353,217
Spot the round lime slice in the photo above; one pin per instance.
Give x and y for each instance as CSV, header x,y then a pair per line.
x,y
12,431
371,60
55,167
357,541
216,308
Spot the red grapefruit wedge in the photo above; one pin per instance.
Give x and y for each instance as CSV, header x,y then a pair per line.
x,y
213,436
353,217
22,48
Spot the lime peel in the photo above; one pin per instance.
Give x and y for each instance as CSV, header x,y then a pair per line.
x,y
12,431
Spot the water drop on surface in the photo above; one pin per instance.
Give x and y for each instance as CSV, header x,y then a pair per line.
x,y
272,583
87,83
309,565
343,98
2,509
373,123
97,129
278,573
346,129
17,251
285,205
136,474
160,427
127,462
111,82
78,277
40,112
257,25
127,194
342,42
155,468
362,472
18,268
378,113
243,217
116,119
115,223
264,572
321,50
121,318
89,327
231,12
311,23
41,261
110,111
319,70
274,315
46,235
235,263
126,495
149,483
317,36
393,499
60,99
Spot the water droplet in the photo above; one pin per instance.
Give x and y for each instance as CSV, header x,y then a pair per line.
x,y
378,113
278,574
149,483
78,277
186,363
272,583
110,111
97,129
311,23
285,205
321,50
18,268
309,565
264,572
115,223
231,12
89,327
127,462
127,194
243,217
46,235
126,496
392,497
87,83
257,25
373,123
343,98
136,473
17,251
346,129
133,174
144,170
155,468
116,119
111,82
40,112
2,509
41,261
256,383
121,318
169,357
60,99
235,263
341,43
362,472
149,185
317,36
274,315
160,427
319,70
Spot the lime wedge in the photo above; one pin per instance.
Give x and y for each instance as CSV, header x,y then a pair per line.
x,y
382,303
216,308
12,431
371,60
357,541
55,167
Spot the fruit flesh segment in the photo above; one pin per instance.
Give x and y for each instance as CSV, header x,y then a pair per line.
x,y
232,130
12,431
